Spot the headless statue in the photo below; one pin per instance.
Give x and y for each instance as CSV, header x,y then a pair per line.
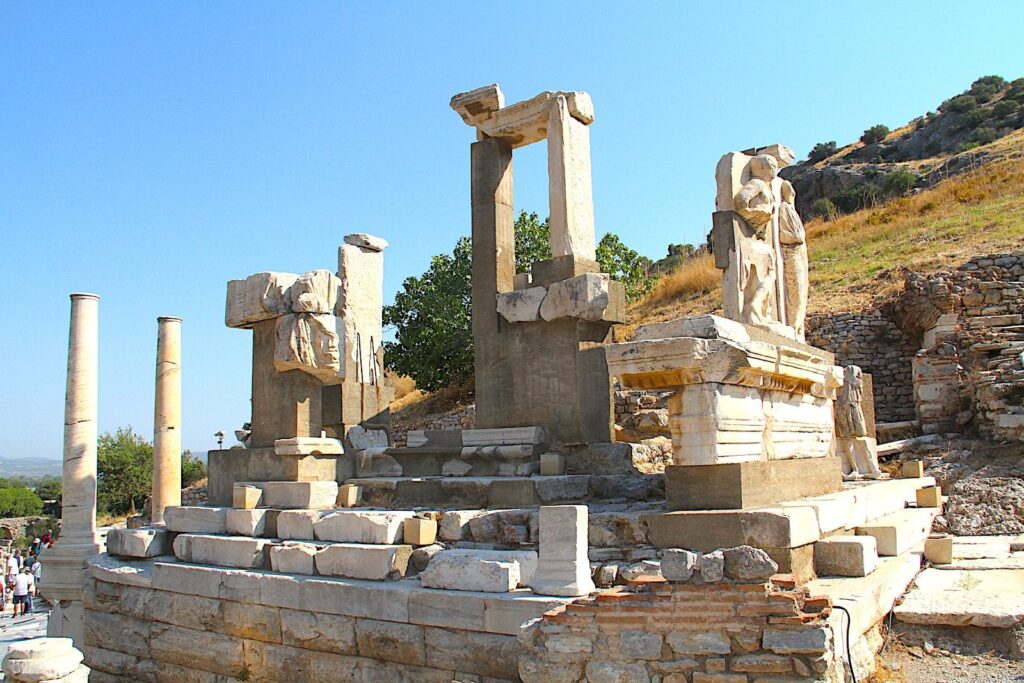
x,y
756,204
794,260
860,460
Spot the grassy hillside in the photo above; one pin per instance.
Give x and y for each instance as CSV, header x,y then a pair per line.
x,y
860,257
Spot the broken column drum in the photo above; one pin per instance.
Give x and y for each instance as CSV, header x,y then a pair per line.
x,y
167,419
538,336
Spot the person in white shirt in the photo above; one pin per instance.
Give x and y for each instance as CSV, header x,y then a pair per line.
x,y
24,587
37,568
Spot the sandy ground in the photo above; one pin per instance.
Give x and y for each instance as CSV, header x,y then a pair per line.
x,y
914,666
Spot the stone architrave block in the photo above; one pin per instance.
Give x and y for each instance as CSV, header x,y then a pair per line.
x,y
361,526
584,296
308,445
348,495
260,296
246,522
145,542
845,556
521,305
563,567
245,496
363,561
311,495
293,558
552,464
196,519
419,531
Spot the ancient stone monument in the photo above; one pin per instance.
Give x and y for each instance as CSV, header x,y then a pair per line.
x,y
855,445
167,419
537,336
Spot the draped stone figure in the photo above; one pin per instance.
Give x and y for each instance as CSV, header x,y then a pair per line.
x,y
756,204
855,446
794,259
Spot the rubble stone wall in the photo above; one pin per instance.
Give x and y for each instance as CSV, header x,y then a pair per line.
x,y
463,418
721,632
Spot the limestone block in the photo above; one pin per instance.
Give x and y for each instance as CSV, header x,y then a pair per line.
x,y
362,438
362,526
900,531
310,342
373,463
222,551
678,565
845,556
470,573
246,522
308,445
245,496
503,436
415,438
109,569
359,307
570,192
363,561
312,495
419,531
929,496
196,519
912,469
782,640
297,524
521,305
366,241
563,567
348,495
145,542
455,524
314,292
552,464
456,468
746,563
293,558
584,296
45,662
939,549
261,296
698,642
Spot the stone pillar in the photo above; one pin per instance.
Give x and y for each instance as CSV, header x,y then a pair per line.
x,y
563,567
570,195
167,419
64,566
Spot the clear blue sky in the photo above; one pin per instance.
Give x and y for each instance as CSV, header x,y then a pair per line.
x,y
149,152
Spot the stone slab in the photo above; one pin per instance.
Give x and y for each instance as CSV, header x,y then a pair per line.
x,y
943,597
707,531
293,558
361,526
744,485
305,495
900,531
124,572
308,445
196,519
504,436
222,551
478,571
141,543
247,522
363,560
845,556
297,524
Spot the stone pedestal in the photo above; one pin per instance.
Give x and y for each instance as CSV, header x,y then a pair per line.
x,y
562,566
50,660
64,565
167,419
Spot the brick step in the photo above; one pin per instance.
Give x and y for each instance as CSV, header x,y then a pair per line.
x,y
505,492
900,532
458,461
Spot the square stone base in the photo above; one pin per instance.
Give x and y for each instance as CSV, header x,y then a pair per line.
x,y
744,485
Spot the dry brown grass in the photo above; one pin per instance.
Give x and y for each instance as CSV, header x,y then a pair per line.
x,y
402,384
419,407
861,257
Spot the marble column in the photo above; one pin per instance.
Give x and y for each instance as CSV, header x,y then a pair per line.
x,y
167,419
64,565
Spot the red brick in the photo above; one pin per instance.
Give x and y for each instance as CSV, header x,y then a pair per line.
x,y
784,581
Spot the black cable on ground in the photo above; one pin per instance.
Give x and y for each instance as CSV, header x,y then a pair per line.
x,y
849,651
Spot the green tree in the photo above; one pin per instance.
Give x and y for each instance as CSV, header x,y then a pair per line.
x,y
192,469
19,502
50,488
874,134
124,472
898,182
432,314
822,150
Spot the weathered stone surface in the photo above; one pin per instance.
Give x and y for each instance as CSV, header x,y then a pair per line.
x,y
362,438
951,597
783,640
317,631
309,495
419,531
49,668
455,524
137,542
220,654
698,643
563,567
293,558
361,526
521,305
389,641
616,672
366,241
712,566
373,463
745,563
640,644
456,468
199,520
845,556
297,524
260,296
453,570
584,296
363,561
222,551
246,522
308,445
678,565
40,648
310,342
113,570
899,532
245,496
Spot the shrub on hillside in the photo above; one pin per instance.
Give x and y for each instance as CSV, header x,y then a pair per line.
x,y
824,208
874,134
983,136
986,87
822,150
898,182
961,104
1005,108
19,502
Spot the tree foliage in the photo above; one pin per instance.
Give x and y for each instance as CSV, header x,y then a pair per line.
x,y
19,502
124,472
192,469
875,133
432,314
